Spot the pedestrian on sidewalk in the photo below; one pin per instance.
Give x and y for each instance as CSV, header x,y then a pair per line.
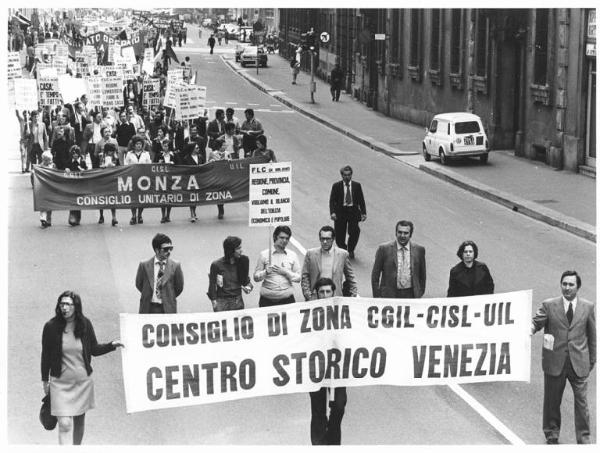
x,y
295,65
159,279
211,43
347,208
68,344
229,276
278,270
568,353
337,77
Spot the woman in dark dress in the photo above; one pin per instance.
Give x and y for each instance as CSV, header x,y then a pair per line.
x,y
469,277
68,344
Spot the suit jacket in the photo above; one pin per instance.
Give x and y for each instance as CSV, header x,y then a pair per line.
x,y
342,268
336,198
171,288
579,338
385,267
212,130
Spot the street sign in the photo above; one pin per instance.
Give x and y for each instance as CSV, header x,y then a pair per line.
x,y
324,37
379,36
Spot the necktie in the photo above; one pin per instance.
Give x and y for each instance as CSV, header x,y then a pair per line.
x,y
159,276
348,199
570,313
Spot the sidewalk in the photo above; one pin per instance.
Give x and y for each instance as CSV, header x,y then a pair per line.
x,y
559,198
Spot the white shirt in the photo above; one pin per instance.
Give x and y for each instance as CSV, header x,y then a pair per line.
x,y
97,136
566,304
326,264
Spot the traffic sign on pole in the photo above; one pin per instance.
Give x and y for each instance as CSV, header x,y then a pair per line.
x,y
324,37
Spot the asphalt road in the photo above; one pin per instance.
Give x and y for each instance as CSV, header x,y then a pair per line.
x,y
100,262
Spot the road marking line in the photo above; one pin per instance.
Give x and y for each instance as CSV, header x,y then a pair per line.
x,y
253,104
487,415
231,103
470,400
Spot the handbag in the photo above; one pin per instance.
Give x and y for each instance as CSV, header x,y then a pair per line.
x,y
46,418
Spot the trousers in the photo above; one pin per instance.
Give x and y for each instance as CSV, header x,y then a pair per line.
x,y
554,387
327,430
347,220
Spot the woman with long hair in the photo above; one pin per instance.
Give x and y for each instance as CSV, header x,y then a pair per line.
x,y
68,344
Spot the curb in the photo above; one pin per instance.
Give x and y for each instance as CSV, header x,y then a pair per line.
x,y
353,134
513,202
517,204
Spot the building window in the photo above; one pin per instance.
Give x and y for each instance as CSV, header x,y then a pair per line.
x,y
414,62
435,47
540,72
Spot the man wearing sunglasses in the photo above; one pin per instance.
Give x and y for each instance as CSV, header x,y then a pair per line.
x,y
159,279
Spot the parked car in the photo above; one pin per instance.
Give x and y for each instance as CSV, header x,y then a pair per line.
x,y
253,55
239,48
452,135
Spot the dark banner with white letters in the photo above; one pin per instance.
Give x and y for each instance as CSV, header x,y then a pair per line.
x,y
143,186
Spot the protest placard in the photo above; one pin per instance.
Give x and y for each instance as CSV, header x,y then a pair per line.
x,y
71,88
46,70
25,94
90,55
171,94
148,62
191,101
112,92
270,194
94,90
13,66
151,92
48,91
128,53
175,76
199,358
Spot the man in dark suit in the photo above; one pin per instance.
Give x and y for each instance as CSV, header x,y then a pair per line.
x,y
399,267
569,352
159,279
215,129
347,208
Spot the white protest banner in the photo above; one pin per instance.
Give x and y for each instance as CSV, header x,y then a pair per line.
x,y
175,76
151,93
45,70
14,70
48,91
148,62
270,194
112,92
25,94
94,90
71,88
90,55
128,53
199,358
191,101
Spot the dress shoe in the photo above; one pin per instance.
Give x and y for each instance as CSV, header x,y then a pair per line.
x,y
193,219
552,441
167,219
44,223
101,220
114,222
140,220
220,216
163,220
132,221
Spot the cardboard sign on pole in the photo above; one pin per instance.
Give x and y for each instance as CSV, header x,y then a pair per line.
x,y
49,92
26,94
14,70
270,194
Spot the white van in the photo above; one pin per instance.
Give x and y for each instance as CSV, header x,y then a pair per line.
x,y
452,135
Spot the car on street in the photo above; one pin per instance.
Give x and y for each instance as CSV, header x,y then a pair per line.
x,y
239,48
455,135
231,29
254,55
